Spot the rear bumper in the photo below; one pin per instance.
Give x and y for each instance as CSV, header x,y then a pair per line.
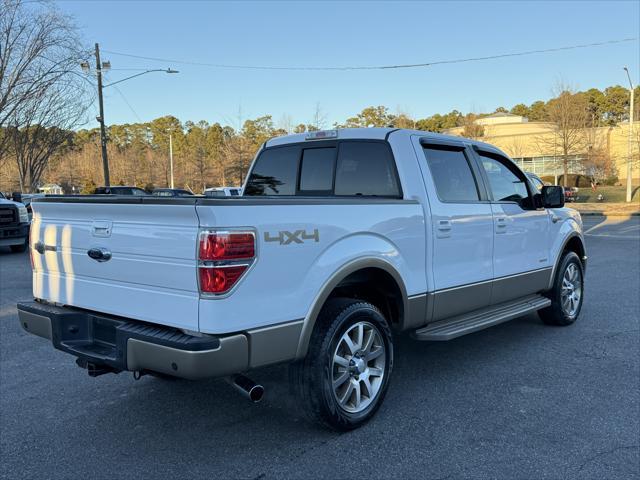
x,y
14,234
106,343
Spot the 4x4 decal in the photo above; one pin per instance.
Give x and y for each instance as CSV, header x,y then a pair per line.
x,y
299,236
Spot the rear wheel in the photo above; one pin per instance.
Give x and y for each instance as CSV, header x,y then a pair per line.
x,y
567,293
345,375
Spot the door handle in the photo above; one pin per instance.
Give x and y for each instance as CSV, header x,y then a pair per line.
x,y
444,229
99,254
501,224
555,218
444,225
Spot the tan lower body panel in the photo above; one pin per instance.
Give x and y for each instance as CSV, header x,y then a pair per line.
x,y
36,324
277,343
232,356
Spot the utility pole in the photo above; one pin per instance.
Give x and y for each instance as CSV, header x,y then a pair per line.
x,y
103,133
100,66
630,144
171,158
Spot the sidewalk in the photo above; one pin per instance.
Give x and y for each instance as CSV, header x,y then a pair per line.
x,y
607,209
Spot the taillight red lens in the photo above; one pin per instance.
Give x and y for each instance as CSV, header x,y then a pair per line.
x,y
220,279
226,245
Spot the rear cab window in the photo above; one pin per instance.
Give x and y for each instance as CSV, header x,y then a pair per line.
x,y
275,172
330,168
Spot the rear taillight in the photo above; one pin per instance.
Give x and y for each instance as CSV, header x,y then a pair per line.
x,y
226,245
223,257
220,279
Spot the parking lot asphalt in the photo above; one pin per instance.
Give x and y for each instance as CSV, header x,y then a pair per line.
x,y
520,400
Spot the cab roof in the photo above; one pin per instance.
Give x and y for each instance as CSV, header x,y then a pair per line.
x,y
377,133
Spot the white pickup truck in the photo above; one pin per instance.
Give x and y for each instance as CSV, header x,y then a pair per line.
x,y
341,240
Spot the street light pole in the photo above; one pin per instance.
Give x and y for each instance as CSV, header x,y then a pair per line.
x,y
630,144
103,133
171,158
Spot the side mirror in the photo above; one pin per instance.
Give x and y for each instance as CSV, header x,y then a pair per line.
x,y
552,196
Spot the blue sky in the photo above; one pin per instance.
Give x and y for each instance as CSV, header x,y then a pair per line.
x,y
351,33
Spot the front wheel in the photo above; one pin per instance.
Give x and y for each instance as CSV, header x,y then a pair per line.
x,y
567,293
345,375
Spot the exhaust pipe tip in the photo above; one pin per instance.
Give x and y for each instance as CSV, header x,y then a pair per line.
x,y
256,393
247,387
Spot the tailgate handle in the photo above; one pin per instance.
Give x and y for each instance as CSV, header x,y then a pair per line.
x,y
99,254
41,248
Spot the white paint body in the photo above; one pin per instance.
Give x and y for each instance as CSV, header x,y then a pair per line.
x,y
152,275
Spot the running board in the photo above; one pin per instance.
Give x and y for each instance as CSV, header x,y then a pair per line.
x,y
480,319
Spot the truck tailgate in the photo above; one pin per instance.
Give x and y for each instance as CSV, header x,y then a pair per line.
x,y
151,272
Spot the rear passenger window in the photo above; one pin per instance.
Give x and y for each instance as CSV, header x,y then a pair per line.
x,y
366,168
316,171
451,174
275,172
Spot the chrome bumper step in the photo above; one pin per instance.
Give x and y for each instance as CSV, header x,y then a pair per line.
x,y
480,319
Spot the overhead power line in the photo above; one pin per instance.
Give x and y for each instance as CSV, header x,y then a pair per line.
x,y
374,67
128,104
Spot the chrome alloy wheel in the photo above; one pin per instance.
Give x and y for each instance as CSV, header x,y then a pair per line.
x,y
571,292
358,367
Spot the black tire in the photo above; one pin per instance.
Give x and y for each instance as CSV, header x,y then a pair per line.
x,y
555,314
20,248
312,377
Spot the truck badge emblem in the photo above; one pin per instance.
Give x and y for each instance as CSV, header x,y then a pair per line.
x,y
299,236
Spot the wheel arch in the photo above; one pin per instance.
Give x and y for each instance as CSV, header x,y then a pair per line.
x,y
573,243
354,276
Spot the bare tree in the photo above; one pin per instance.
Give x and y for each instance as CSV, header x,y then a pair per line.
x,y
237,155
402,119
45,129
568,115
471,128
286,123
41,97
516,148
319,120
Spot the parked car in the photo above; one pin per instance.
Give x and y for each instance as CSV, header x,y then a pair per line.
x,y
120,190
223,192
14,225
571,194
27,198
340,239
171,192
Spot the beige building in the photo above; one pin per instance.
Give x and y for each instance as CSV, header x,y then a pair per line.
x,y
535,146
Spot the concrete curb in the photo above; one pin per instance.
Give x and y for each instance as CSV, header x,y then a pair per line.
x,y
607,214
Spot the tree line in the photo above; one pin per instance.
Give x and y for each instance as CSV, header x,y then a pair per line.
x,y
211,154
44,101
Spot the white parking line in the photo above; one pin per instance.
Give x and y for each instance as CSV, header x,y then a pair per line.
x,y
625,237
608,221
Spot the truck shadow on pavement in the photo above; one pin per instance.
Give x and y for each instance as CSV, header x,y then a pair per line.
x,y
475,398
214,410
